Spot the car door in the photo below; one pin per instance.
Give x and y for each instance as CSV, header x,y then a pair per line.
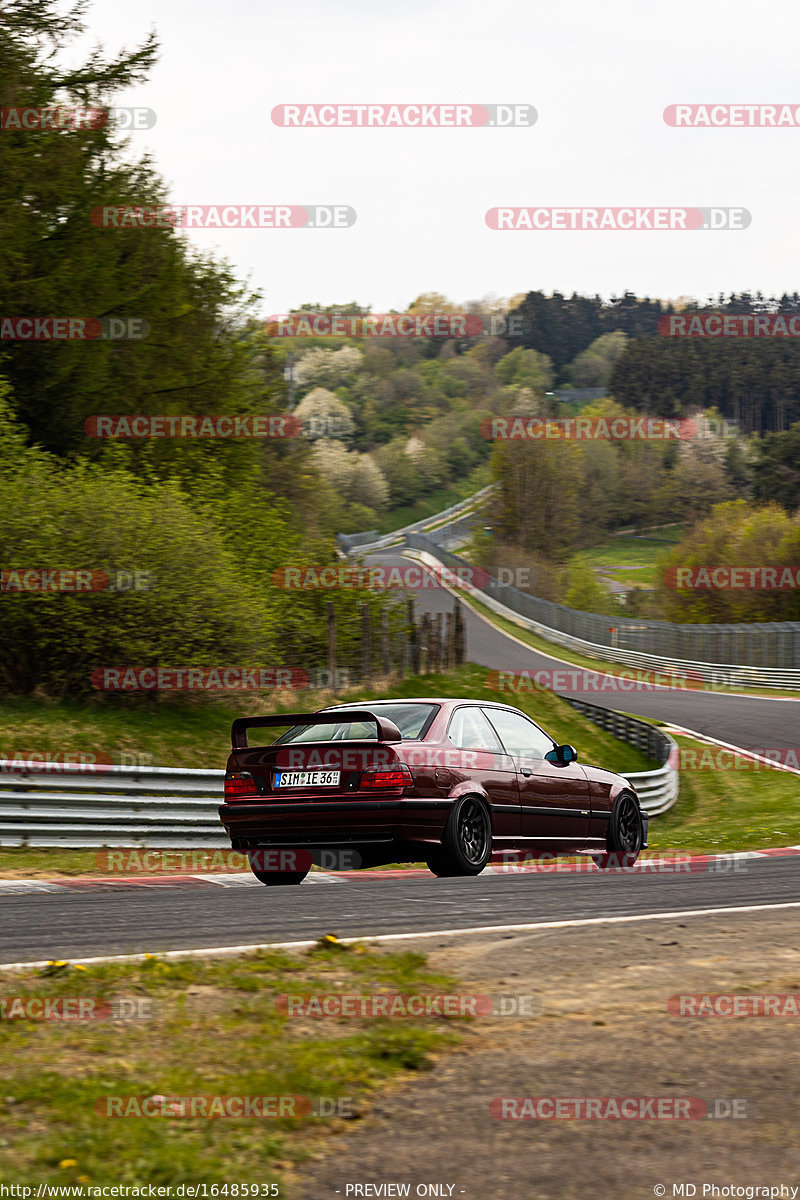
x,y
554,800
479,755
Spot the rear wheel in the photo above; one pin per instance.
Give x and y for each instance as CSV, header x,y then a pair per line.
x,y
467,842
279,878
275,878
625,834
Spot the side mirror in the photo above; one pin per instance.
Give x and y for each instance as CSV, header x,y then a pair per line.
x,y
561,755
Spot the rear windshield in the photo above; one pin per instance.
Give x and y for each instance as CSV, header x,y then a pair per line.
x,y
410,719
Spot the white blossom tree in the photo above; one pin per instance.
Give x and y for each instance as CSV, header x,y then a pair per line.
x,y
324,415
328,368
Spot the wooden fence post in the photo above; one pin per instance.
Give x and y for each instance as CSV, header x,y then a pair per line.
x,y
332,643
366,644
385,665
424,644
459,643
414,637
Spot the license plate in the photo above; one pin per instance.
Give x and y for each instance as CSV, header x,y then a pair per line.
x,y
286,779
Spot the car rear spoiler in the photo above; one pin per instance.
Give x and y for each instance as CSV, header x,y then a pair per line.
x,y
387,730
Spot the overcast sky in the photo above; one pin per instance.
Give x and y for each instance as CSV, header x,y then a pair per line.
x,y
599,76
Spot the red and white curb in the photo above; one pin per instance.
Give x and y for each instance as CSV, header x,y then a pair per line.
x,y
675,864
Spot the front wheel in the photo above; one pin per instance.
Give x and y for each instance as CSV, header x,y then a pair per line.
x,y
625,834
467,841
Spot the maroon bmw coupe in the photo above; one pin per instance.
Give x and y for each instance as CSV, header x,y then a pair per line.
x,y
453,782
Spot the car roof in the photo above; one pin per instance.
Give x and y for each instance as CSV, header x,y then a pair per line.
x,y
368,704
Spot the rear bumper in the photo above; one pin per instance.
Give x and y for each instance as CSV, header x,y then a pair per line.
x,y
335,822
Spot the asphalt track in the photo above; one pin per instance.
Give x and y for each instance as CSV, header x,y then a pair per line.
x,y
752,722
76,925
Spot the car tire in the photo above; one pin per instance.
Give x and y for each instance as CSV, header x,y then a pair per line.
x,y
467,840
279,878
625,836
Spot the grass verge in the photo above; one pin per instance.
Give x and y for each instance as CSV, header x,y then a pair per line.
x,y
629,559
206,1029
727,803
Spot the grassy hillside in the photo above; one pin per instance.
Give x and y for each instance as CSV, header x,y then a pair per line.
x,y
197,733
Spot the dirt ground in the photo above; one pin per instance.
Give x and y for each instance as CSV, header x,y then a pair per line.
x,y
602,1029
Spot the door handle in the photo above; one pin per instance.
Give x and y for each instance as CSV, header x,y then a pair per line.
x,y
525,771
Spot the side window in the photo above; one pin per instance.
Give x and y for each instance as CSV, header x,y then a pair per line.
x,y
469,730
519,735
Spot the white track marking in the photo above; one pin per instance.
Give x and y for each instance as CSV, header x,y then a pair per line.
x,y
532,927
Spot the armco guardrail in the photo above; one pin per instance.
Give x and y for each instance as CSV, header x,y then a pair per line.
x,y
622,640
158,807
657,790
348,542
168,808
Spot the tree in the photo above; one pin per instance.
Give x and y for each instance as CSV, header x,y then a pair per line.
x,y
354,476
324,415
54,262
776,467
328,368
593,366
734,534
525,368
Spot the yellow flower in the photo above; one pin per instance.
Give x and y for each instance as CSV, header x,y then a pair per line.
x,y
68,1162
83,1178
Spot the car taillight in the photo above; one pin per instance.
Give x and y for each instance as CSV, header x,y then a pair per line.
x,y
238,784
397,777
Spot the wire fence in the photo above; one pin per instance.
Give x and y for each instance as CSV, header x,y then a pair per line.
x,y
771,648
